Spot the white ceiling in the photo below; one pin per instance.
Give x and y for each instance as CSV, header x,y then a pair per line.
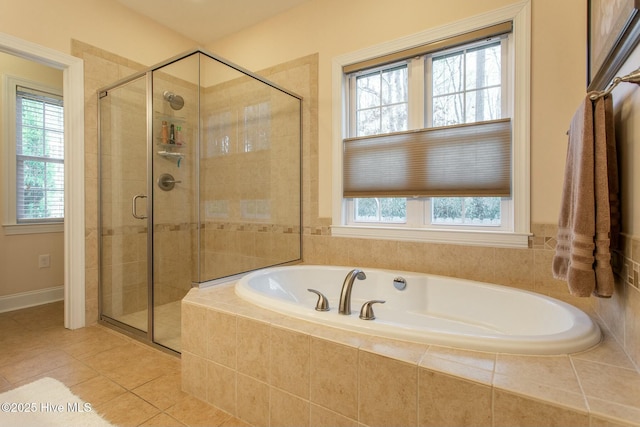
x,y
207,20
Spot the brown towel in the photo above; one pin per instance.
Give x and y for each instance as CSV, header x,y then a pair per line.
x,y
583,251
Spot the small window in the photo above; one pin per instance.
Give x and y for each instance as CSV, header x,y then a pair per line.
x,y
382,101
467,85
39,156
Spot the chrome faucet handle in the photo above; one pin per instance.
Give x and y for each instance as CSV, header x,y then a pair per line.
x,y
323,303
366,312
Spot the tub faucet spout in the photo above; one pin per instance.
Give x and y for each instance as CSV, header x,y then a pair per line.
x,y
345,295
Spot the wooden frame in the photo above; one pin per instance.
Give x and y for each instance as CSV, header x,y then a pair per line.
x,y
613,31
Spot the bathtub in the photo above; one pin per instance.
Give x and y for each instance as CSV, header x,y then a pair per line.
x,y
430,309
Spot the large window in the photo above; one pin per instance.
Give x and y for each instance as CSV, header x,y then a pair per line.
x,y
465,84
414,110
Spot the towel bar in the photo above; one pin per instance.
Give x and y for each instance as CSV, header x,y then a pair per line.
x,y
633,77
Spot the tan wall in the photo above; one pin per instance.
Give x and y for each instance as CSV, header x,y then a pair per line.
x,y
103,23
19,254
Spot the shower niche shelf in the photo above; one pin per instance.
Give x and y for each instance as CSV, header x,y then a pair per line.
x,y
168,152
170,155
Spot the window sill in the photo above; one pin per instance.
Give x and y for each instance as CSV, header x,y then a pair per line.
x,y
16,229
458,237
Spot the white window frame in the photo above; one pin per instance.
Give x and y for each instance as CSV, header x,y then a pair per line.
x,y
520,15
10,224
418,214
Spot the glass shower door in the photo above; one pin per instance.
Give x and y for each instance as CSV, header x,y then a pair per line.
x,y
174,122
123,206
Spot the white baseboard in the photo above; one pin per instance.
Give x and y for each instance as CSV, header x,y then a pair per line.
x,y
31,298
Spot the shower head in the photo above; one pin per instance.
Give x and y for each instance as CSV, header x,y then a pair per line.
x,y
175,101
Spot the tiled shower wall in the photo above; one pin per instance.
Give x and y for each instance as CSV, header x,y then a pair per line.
x,y
174,213
249,175
230,245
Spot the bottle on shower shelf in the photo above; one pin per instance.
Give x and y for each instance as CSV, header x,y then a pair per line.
x,y
165,132
172,134
178,135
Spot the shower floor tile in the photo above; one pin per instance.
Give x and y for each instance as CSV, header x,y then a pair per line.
x,y
114,373
167,324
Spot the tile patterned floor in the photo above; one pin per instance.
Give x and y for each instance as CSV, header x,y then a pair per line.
x,y
128,383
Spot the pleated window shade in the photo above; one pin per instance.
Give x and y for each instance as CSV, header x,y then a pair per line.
x,y
454,161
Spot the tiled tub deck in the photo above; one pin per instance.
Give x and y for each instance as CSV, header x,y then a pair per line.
x,y
269,369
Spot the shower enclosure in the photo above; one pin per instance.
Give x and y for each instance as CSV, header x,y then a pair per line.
x,y
199,177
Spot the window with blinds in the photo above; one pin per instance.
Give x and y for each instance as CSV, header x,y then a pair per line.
x,y
39,156
429,135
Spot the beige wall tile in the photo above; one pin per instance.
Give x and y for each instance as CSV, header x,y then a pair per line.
x,y
287,410
541,392
608,351
603,422
221,338
388,391
194,331
449,401
254,353
612,310
513,410
452,367
194,374
632,324
334,377
477,359
405,351
606,413
221,387
606,382
514,267
253,401
551,371
290,361
322,417
373,253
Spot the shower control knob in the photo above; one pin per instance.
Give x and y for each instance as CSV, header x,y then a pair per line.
x,y
166,182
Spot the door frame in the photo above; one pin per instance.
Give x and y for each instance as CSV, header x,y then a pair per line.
x,y
74,219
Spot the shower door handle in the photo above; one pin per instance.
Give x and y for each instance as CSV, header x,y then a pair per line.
x,y
134,210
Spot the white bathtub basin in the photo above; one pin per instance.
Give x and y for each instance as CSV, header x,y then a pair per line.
x,y
431,309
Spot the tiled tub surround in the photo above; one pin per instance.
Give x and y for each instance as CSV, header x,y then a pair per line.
x,y
270,369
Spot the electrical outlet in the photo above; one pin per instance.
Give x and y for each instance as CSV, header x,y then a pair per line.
x,y
44,261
